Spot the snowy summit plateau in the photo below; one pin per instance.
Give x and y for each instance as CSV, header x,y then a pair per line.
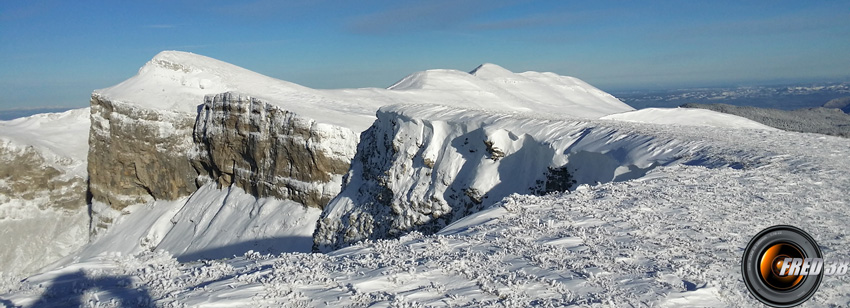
x,y
197,183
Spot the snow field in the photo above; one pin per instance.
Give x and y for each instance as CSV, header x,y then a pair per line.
x,y
61,138
212,223
661,235
685,116
668,241
670,238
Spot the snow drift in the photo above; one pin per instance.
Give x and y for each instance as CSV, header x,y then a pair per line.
x,y
419,168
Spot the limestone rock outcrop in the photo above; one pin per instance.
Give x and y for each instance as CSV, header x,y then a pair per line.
x,y
269,151
138,154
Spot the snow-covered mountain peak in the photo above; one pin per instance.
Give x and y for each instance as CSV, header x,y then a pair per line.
x,y
449,79
175,81
178,81
175,60
494,87
490,70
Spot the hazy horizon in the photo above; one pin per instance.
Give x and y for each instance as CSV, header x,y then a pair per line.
x,y
55,53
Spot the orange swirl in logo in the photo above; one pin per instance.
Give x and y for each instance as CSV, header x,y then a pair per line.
x,y
771,264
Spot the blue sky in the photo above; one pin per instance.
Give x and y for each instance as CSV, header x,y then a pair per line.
x,y
54,53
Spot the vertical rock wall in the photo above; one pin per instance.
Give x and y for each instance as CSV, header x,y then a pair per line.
x,y
271,152
137,154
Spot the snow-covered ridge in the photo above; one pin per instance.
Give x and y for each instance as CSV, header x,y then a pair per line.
x,y
685,116
421,167
497,88
178,81
671,238
142,146
60,137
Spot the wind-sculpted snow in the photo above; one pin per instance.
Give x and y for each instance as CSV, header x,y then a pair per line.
x,y
423,167
211,223
672,238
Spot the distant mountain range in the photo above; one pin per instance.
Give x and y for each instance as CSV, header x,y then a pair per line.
x,y
786,97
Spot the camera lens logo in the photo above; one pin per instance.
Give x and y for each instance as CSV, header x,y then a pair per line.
x,y
782,266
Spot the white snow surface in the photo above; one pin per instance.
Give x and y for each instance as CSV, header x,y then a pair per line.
x,y
33,227
209,224
670,238
440,163
32,236
687,116
61,138
178,81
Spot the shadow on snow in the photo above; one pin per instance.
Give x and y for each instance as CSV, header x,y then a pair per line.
x,y
72,289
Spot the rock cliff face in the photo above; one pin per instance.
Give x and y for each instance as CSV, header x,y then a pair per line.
x,y
26,176
423,167
271,152
164,132
138,154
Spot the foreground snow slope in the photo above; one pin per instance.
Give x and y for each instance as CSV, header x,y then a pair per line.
x,y
210,224
670,238
42,189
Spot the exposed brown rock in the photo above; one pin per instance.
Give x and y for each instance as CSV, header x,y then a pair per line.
x,y
25,175
270,152
137,154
